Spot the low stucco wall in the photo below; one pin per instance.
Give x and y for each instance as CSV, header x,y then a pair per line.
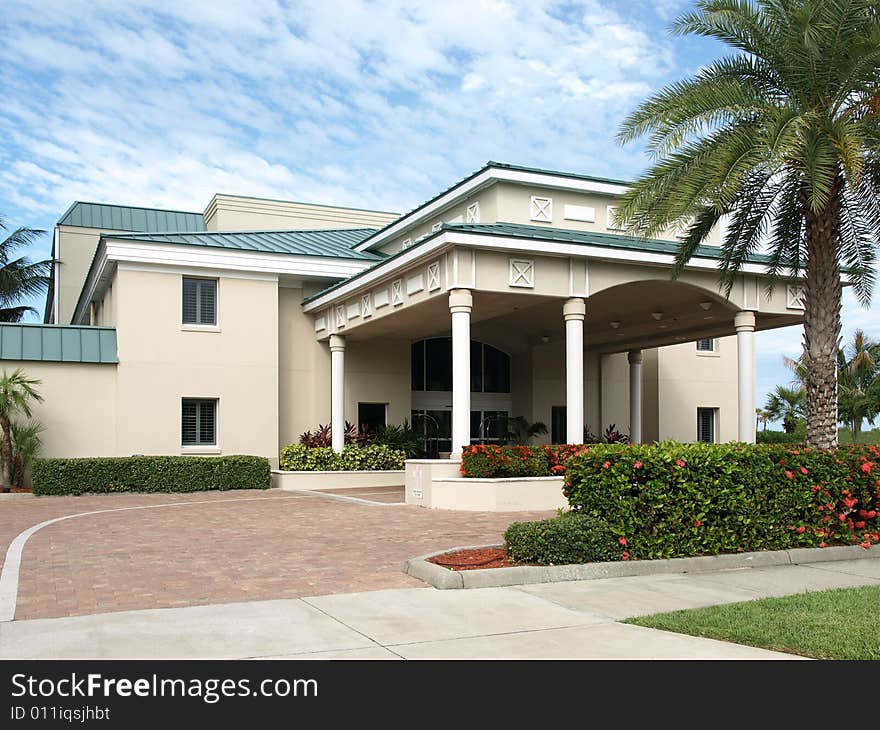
x,y
436,483
318,480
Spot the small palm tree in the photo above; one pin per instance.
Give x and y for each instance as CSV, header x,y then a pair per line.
x,y
783,137
17,392
27,445
20,278
762,417
859,382
786,405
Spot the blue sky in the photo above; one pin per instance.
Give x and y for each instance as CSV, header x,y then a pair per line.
x,y
371,104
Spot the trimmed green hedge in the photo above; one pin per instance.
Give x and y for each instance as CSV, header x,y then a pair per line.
x,y
149,474
674,500
376,457
572,537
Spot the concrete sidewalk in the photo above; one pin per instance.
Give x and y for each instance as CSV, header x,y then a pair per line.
x,y
557,620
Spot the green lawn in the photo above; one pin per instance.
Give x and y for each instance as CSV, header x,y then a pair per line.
x,y
838,624
844,436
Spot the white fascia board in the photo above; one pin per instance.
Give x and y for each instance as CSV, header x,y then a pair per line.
x,y
389,268
493,174
232,259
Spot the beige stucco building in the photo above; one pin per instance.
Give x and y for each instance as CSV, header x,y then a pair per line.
x,y
511,293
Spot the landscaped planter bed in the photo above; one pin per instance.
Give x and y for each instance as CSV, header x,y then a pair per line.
x,y
429,569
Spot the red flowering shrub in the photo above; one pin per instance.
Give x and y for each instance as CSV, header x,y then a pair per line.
x,y
676,500
489,461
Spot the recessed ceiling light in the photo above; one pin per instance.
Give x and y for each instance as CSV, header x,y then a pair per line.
x,y
662,326
657,315
706,305
614,324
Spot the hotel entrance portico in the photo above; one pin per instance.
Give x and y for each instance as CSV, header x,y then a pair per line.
x,y
553,325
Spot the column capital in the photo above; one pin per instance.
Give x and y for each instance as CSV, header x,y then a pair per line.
x,y
460,300
634,357
744,321
574,308
337,343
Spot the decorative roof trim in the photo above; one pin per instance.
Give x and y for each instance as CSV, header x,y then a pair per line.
x,y
491,173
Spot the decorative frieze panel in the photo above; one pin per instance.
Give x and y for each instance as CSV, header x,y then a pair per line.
x,y
795,296
541,209
585,213
609,219
366,305
353,309
473,213
415,283
380,298
522,273
339,315
434,276
396,292
320,323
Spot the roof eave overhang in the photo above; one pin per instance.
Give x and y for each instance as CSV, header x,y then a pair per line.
x,y
484,178
447,238
111,251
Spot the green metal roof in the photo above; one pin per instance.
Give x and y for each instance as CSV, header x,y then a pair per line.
x,y
589,238
57,343
331,243
130,218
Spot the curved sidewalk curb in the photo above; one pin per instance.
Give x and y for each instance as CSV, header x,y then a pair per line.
x,y
518,575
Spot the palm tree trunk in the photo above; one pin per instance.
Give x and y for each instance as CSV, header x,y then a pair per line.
x,y
822,321
6,465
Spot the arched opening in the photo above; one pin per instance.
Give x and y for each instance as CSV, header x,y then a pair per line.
x,y
431,386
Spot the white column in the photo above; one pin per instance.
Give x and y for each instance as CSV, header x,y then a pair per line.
x,y
460,304
635,395
574,312
337,391
744,322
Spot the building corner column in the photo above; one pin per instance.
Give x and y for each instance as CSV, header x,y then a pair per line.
x,y
635,395
337,392
744,323
460,305
574,311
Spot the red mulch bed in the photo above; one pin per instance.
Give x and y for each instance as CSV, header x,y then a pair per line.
x,y
473,559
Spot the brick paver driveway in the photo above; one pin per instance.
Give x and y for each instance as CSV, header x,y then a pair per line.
x,y
221,547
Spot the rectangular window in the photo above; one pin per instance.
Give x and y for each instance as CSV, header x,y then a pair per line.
x,y
706,425
372,415
199,422
199,301
706,345
557,424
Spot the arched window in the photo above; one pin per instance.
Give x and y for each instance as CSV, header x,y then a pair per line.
x,y
432,367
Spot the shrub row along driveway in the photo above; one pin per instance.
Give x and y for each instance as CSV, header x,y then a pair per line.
x,y
222,547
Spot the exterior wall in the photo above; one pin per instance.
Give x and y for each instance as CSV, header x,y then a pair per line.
x,y
162,361
688,380
78,410
376,371
238,213
76,251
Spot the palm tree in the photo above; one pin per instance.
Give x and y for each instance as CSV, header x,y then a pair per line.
x,y
20,277
782,136
859,382
786,405
17,392
27,445
762,417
